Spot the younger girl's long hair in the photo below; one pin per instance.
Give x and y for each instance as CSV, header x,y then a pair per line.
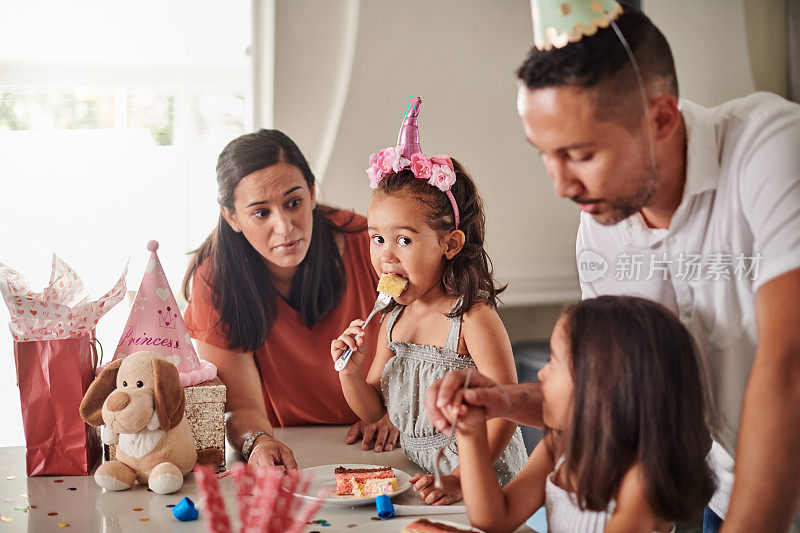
x,y
469,274
240,284
638,399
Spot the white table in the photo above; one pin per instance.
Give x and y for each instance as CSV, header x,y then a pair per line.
x,y
87,508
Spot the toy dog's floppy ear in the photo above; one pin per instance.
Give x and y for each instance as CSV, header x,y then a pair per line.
x,y
167,394
91,408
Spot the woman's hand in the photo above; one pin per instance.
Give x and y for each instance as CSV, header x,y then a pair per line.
x,y
383,432
353,338
449,493
269,451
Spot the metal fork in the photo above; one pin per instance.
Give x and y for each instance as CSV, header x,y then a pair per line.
x,y
438,474
380,304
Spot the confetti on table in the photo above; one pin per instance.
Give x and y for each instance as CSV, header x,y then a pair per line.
x,y
171,505
11,477
51,514
32,506
5,518
223,474
62,524
138,509
58,481
24,496
144,520
73,489
9,501
350,526
375,518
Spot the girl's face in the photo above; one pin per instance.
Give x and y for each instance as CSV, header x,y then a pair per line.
x,y
273,208
556,378
403,243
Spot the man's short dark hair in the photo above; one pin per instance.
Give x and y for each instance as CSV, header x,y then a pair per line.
x,y
600,62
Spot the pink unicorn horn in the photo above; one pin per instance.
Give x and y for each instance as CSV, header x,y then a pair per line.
x,y
408,138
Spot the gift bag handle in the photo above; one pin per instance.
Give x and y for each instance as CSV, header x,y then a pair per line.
x,y
96,361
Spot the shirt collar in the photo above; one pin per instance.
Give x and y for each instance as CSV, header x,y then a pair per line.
x,y
702,152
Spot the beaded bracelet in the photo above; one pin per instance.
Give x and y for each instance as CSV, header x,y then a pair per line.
x,y
247,446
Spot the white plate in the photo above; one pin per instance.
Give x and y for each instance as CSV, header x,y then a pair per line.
x,y
325,478
396,525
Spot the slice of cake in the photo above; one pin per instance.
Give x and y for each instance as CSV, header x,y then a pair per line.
x,y
345,477
376,487
392,285
424,525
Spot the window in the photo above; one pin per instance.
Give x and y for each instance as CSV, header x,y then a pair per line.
x,y
112,115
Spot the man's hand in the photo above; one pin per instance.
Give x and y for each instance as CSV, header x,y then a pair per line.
x,y
444,397
268,451
427,491
383,433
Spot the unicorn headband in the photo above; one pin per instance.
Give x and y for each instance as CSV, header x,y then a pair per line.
x,y
437,170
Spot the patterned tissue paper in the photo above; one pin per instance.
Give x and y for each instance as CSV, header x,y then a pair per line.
x,y
62,310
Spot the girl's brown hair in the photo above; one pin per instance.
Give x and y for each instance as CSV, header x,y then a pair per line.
x,y
469,274
638,399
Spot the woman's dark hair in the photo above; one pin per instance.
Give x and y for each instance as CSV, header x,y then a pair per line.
x,y
638,399
601,62
241,288
469,273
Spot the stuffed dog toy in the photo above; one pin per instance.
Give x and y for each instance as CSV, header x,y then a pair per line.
x,y
140,399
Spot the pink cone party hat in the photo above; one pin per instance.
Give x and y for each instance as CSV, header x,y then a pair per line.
x,y
156,325
408,138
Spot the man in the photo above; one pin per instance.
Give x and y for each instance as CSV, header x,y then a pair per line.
x,y
698,209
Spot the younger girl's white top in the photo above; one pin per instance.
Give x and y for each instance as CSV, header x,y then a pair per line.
x,y
565,516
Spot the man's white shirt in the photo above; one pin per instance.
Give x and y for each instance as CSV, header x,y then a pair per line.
x,y
737,227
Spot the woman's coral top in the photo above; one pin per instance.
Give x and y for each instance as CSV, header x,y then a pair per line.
x,y
296,371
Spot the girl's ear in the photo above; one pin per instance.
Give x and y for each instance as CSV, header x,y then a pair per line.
x,y
454,244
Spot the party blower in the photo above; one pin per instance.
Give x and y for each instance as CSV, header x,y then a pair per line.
x,y
386,509
390,286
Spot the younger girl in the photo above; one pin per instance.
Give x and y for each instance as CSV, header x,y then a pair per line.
x,y
426,225
626,440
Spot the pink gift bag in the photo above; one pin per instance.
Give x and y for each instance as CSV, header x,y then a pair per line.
x,y
53,376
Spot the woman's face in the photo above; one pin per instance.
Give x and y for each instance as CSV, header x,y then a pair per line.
x,y
273,208
556,378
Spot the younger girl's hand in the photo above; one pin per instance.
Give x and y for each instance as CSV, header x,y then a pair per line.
x,y
352,337
449,493
470,417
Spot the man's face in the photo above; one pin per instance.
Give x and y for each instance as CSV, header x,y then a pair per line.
x,y
602,166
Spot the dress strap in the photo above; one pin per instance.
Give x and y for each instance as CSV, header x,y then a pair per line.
x,y
391,320
455,331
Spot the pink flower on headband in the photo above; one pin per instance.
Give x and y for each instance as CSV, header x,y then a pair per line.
x,y
437,170
385,162
374,175
443,176
421,166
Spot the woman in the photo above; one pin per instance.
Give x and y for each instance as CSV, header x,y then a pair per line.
x,y
278,278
